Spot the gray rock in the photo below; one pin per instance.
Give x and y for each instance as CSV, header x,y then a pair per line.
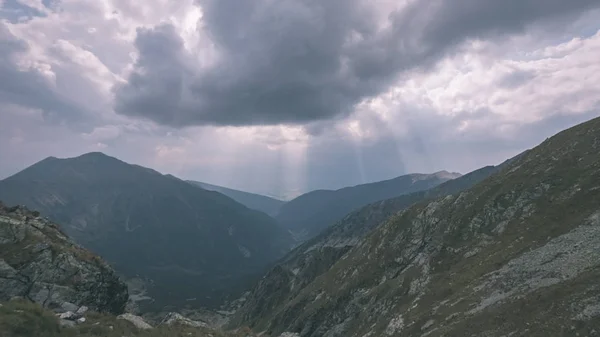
x,y
82,310
68,306
69,315
135,320
176,318
39,263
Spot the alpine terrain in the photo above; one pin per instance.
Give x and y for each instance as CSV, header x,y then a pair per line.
x,y
184,244
311,213
517,254
316,256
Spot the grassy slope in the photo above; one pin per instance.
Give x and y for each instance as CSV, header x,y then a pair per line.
x,y
26,319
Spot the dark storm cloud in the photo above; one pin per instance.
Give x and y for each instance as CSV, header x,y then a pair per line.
x,y
299,61
28,87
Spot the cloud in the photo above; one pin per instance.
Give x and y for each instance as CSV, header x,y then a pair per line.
x,y
30,84
299,61
348,91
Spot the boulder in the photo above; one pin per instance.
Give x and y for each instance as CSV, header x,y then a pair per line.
x,y
135,320
176,318
69,315
82,310
68,306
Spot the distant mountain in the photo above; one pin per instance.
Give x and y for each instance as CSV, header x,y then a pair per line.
x,y
191,245
514,255
316,256
254,201
310,213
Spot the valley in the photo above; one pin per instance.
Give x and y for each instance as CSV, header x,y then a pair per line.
x,y
419,255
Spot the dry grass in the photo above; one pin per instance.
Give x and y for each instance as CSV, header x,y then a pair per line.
x,y
26,319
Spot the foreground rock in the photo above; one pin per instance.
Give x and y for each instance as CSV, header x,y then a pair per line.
x,y
21,318
516,255
39,263
174,318
135,320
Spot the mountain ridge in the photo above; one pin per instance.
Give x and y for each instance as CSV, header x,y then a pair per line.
x,y
152,226
255,201
314,211
314,257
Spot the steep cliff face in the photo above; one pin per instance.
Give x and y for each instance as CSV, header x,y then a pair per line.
x,y
517,254
38,262
315,257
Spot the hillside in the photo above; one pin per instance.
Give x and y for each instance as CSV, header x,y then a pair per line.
x,y
514,255
316,256
311,213
19,318
39,263
189,245
251,200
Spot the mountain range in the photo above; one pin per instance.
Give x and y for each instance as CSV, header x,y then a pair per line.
x,y
255,201
311,213
189,245
181,242
316,256
507,250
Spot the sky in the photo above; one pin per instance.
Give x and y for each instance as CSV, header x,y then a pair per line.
x,y
285,96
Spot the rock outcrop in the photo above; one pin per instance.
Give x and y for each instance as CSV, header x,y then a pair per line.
x,y
174,318
515,255
38,262
138,321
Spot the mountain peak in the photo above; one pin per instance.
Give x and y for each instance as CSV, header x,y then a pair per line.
x,y
94,155
447,175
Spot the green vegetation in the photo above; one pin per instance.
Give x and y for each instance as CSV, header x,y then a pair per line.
x,y
26,319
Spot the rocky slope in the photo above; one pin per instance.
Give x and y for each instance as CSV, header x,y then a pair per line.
x,y
258,202
38,262
316,256
311,213
189,245
516,255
